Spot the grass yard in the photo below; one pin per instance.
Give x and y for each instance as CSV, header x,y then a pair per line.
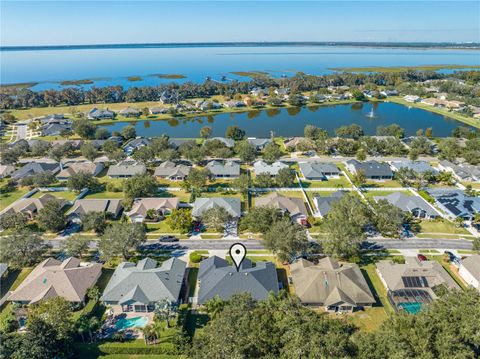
x,y
339,183
372,194
383,184
441,226
160,227
376,286
67,195
13,280
369,319
467,251
7,198
475,185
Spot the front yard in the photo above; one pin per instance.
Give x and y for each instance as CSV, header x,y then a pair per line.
x,y
441,226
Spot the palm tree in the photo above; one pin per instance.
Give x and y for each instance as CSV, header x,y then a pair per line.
x,y
148,333
214,306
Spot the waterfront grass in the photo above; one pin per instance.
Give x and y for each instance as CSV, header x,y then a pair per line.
x,y
134,78
170,76
20,85
250,73
403,68
76,82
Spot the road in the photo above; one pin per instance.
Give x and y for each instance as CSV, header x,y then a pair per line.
x,y
223,244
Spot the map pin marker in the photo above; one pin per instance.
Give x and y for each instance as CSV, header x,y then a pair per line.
x,y
238,253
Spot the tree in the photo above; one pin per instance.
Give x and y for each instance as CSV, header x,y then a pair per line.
x,y
205,132
214,306
140,186
286,239
449,149
260,219
54,311
13,220
101,133
128,132
350,131
51,217
359,179
216,218
144,154
344,224
57,153
285,178
110,146
40,148
387,218
272,152
429,132
197,179
41,179
22,248
180,220
121,238
391,130
75,246
78,181
166,310
89,151
314,133
84,129
361,154
235,133
264,180
242,184
245,151
94,221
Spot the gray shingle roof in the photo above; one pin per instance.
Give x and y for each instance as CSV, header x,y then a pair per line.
x,y
126,169
34,168
227,141
324,203
272,169
318,170
83,206
371,168
259,143
172,169
145,283
218,278
417,166
472,265
409,203
328,283
293,205
224,168
231,204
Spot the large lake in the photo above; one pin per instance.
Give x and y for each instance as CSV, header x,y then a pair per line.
x,y
113,66
291,122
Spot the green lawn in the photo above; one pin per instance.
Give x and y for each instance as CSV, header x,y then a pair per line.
x,y
475,185
7,198
441,226
67,195
105,194
376,286
372,194
14,278
160,227
369,319
331,183
383,184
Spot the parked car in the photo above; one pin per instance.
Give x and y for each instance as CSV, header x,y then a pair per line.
x,y
450,255
168,239
421,257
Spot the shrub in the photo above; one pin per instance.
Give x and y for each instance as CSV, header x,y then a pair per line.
x,y
195,257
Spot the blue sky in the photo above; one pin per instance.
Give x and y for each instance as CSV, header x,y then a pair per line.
x,y
100,22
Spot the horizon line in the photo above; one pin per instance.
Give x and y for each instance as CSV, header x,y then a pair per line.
x,y
467,44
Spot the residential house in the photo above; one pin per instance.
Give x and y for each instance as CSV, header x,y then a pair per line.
x,y
52,278
88,167
6,170
34,168
224,169
55,128
324,204
259,143
408,140
172,171
158,110
338,288
3,270
160,206
412,285
130,112
169,97
226,141
372,169
111,207
469,270
126,169
282,92
231,204
219,279
97,114
259,92
271,169
29,207
419,167
388,93
462,172
138,287
175,143
293,142
412,98
415,205
207,105
318,171
135,144
54,118
233,104
456,203
293,206
73,144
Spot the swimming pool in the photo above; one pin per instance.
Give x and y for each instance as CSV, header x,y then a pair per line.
x,y
136,322
412,308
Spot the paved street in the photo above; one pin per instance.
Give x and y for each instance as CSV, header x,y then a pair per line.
x,y
222,244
